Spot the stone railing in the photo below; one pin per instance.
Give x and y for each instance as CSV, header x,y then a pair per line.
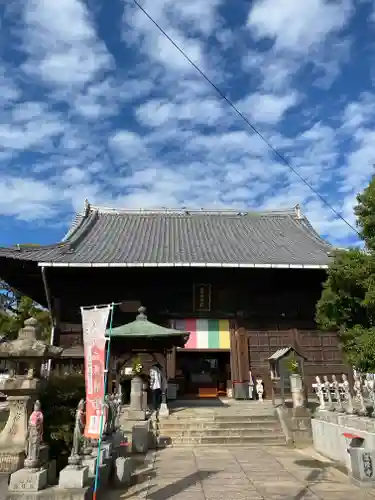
x,y
345,417
338,395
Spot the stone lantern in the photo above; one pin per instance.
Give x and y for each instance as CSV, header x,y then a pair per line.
x,y
21,385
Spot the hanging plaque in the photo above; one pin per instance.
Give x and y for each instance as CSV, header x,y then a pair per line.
x,y
202,297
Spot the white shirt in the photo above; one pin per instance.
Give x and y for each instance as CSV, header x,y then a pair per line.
x,y
155,378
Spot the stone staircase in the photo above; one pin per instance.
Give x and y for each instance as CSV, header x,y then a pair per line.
x,y
251,425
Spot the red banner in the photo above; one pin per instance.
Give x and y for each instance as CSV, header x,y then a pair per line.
x,y
94,324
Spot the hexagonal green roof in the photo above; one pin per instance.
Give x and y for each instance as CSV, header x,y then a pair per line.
x,y
142,327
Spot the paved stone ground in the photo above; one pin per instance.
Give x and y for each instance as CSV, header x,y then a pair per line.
x,y
273,473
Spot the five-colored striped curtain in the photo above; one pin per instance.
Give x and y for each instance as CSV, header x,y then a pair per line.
x,y
205,333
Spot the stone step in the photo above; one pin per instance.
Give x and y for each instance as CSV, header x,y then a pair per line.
x,y
176,431
220,434
193,424
271,440
221,418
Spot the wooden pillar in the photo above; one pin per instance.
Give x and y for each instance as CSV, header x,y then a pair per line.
x,y
239,355
171,364
243,354
234,356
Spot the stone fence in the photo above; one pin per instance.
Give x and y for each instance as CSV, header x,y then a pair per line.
x,y
343,426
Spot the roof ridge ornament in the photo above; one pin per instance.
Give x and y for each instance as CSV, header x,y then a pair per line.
x,y
87,207
141,316
298,212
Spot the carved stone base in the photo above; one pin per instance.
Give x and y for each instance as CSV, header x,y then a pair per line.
x,y
136,415
90,462
11,460
26,480
140,437
71,477
123,469
54,493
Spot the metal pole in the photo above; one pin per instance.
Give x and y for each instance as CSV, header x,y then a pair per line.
x,y
96,483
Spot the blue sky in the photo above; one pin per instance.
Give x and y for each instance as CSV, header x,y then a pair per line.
x,y
97,104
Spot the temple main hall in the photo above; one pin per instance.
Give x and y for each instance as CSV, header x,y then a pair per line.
x,y
244,284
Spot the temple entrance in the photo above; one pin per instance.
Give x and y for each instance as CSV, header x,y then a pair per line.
x,y
203,373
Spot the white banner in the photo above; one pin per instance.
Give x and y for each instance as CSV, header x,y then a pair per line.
x,y
94,325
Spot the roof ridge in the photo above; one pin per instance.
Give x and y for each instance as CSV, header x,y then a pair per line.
x,y
193,211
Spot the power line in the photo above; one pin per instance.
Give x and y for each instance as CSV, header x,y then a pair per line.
x,y
246,120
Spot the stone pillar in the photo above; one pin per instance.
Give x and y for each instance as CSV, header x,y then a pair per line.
x,y
136,410
296,388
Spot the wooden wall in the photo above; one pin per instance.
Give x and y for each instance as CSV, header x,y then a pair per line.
x,y
272,308
321,349
264,295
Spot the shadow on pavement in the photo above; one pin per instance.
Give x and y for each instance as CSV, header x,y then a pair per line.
x,y
178,486
318,468
166,492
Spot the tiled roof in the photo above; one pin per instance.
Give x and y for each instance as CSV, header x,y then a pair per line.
x,y
280,353
183,238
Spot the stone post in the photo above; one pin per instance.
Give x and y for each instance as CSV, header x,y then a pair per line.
x,y
296,387
136,410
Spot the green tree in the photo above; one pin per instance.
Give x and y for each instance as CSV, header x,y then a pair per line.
x,y
347,303
16,309
59,403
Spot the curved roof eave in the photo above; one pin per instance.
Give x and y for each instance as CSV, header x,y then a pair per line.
x,y
98,228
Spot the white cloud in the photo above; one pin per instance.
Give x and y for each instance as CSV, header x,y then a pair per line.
x,y
298,26
267,108
62,43
151,132
184,22
207,112
26,198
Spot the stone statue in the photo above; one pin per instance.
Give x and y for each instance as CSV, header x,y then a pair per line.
x,y
259,388
116,405
347,394
110,414
327,388
112,421
319,392
336,389
79,427
86,447
358,391
107,416
370,386
34,437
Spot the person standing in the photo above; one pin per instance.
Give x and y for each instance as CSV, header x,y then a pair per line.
x,y
156,386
